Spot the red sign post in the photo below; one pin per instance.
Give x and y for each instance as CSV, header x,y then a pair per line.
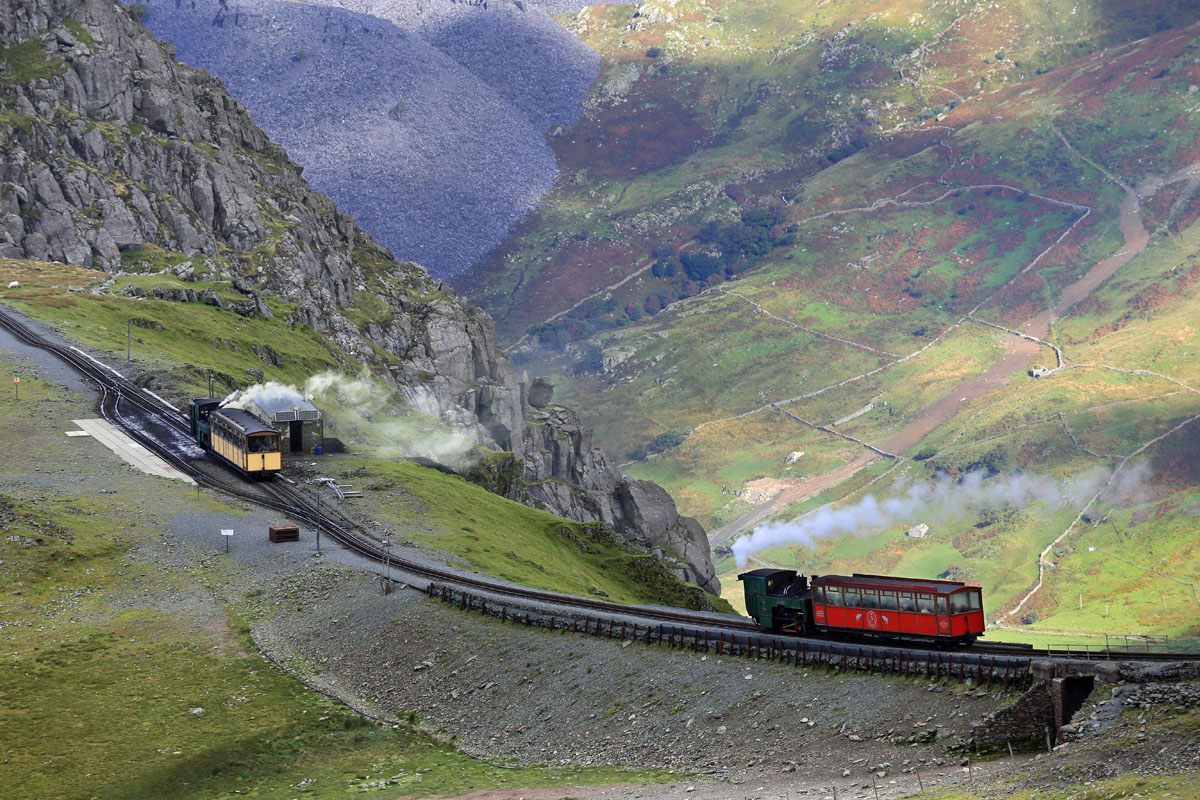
x,y
17,386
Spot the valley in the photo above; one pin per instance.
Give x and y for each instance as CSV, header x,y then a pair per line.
x,y
904,288
908,284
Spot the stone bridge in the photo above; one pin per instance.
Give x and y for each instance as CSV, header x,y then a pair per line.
x,y
1042,715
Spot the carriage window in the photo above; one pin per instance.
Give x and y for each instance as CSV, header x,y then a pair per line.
x,y
959,603
925,604
819,594
887,601
907,603
852,598
833,596
263,444
974,600
870,600
942,605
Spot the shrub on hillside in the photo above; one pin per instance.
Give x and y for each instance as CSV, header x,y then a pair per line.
x,y
592,362
666,440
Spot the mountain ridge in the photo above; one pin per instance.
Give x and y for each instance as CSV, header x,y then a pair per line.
x,y
160,170
865,210
439,109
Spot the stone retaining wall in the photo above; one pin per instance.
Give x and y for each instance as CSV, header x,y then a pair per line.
x,y
1026,724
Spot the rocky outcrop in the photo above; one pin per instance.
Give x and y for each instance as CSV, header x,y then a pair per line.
x,y
111,152
566,473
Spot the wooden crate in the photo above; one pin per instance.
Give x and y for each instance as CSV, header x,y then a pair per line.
x,y
283,533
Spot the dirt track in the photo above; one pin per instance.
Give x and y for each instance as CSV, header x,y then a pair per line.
x,y
1019,353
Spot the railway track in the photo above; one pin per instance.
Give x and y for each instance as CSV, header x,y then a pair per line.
x,y
151,421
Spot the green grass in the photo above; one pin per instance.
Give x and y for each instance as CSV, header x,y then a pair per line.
x,y
29,61
261,731
78,31
186,340
499,537
102,668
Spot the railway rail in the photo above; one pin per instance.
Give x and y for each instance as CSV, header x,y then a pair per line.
x,y
150,420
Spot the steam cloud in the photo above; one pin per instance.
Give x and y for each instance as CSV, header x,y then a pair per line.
x,y
944,498
368,412
269,392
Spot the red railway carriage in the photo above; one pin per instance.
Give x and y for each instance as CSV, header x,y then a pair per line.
x,y
908,607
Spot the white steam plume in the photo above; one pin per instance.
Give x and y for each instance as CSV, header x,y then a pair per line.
x,y
270,392
942,498
410,423
418,427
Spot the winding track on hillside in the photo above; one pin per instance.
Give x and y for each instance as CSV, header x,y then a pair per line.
x,y
1025,344
150,420
1028,341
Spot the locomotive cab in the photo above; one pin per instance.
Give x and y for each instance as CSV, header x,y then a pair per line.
x,y
778,599
200,412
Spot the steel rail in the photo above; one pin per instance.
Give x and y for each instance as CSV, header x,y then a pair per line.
x,y
115,388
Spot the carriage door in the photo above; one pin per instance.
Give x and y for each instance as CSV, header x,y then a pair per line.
x,y
254,456
943,616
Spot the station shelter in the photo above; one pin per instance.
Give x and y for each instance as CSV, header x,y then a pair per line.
x,y
297,420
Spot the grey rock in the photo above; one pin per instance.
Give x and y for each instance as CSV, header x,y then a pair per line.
x,y
193,173
463,151
541,392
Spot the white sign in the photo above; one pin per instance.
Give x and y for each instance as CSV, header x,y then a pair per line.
x,y
226,532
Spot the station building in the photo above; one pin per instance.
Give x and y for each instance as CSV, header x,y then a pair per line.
x,y
298,421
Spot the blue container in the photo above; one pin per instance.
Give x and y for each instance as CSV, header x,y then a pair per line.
x,y
317,450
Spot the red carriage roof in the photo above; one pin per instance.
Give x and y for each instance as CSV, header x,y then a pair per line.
x,y
892,583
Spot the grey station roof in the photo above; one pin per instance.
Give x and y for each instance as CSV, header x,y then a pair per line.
x,y
280,408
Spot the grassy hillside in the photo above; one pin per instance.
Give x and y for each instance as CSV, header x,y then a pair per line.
x,y
180,343
104,612
847,214
486,533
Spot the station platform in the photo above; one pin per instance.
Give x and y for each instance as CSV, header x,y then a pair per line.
x,y
134,453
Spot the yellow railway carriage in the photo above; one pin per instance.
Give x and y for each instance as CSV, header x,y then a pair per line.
x,y
238,437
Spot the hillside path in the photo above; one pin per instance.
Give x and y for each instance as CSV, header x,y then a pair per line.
x,y
801,491
1019,352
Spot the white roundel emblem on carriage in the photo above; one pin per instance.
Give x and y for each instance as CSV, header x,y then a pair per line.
x,y
872,619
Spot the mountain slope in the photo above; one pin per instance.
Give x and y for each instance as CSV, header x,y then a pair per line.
x,y
821,249
438,111
113,151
